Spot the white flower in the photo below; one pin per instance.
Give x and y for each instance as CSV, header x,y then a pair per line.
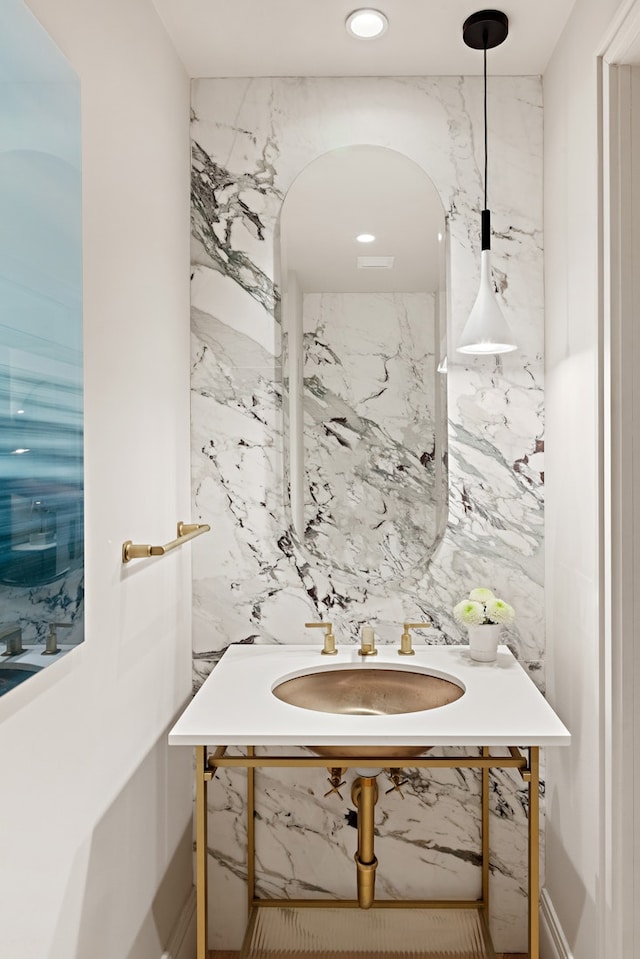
x,y
483,609
469,612
497,611
481,595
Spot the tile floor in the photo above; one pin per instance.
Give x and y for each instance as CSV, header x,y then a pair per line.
x,y
234,955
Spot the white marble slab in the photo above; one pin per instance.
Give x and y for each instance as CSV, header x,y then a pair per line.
x,y
252,582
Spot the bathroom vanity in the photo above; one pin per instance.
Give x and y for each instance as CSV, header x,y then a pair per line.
x,y
496,712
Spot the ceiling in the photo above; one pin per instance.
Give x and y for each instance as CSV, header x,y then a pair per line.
x,y
355,190
238,38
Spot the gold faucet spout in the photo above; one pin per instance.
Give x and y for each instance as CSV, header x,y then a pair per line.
x,y
367,642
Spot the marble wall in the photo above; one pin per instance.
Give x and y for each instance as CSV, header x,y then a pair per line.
x,y
252,583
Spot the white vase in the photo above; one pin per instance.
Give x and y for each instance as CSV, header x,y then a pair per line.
x,y
483,642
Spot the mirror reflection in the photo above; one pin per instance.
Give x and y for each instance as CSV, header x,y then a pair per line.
x,y
41,357
363,242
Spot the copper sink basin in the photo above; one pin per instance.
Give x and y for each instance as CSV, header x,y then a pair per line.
x,y
368,692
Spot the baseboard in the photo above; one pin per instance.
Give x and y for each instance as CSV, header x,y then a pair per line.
x,y
182,942
553,942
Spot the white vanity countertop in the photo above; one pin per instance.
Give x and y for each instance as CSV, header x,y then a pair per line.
x,y
501,705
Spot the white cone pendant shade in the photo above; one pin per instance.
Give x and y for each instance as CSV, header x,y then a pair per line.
x,y
486,330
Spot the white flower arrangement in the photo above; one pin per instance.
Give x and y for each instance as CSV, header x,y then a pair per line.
x,y
482,608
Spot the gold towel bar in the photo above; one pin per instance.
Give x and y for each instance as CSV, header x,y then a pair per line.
x,y
186,531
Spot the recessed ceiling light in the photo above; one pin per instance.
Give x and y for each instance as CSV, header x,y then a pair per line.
x,y
365,238
366,24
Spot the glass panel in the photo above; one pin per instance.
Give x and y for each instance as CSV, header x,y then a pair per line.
x,y
41,406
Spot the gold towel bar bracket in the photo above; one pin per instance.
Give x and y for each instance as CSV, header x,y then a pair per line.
x,y
186,531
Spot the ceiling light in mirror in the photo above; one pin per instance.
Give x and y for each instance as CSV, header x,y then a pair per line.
x,y
366,24
365,238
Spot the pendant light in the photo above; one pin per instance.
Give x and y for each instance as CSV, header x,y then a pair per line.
x,y
486,330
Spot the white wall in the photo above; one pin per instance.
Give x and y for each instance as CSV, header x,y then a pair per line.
x,y
574,880
95,810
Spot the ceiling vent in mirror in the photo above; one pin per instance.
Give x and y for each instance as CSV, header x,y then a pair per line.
x,y
375,262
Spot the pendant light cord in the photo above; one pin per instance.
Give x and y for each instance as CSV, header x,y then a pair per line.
x,y
485,216
485,122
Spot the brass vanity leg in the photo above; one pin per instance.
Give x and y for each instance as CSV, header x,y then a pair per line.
x,y
251,831
534,852
485,834
201,853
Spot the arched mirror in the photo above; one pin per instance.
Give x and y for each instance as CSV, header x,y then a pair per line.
x,y
363,276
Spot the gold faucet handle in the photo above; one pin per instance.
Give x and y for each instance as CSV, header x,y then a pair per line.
x,y
406,649
51,645
397,782
336,781
329,648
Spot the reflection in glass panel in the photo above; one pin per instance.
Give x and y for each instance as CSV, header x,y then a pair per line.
x,y
41,409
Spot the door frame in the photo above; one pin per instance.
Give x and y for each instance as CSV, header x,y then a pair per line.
x,y
619,402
